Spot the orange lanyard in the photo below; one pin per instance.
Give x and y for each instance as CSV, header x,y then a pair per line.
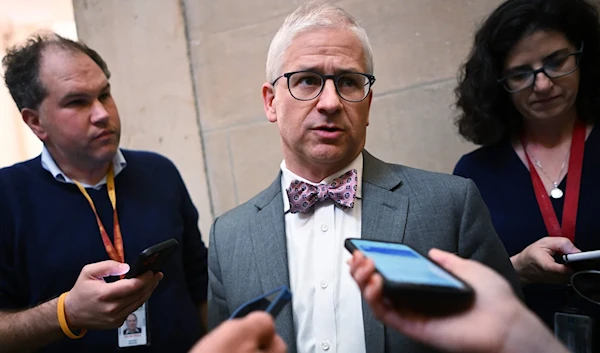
x,y
115,252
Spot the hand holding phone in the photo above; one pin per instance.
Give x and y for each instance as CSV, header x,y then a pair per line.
x,y
412,280
497,318
153,258
272,302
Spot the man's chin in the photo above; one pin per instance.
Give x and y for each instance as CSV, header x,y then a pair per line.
x,y
106,154
333,155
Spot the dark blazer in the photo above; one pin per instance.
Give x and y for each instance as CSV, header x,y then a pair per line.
x,y
248,254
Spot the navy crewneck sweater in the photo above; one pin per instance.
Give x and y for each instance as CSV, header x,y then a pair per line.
x,y
48,232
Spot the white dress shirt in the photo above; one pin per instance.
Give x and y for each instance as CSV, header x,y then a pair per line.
x,y
326,300
48,163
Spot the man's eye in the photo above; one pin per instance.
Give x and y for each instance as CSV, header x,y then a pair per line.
x,y
76,103
309,81
349,82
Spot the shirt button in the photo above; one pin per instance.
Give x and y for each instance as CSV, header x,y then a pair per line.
x,y
324,227
325,345
324,284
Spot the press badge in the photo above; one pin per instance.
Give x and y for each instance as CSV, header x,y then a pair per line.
x,y
574,331
134,331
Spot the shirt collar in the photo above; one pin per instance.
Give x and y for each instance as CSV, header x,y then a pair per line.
x,y
48,163
287,176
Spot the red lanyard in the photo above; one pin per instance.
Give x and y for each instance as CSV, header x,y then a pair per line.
x,y
569,217
115,252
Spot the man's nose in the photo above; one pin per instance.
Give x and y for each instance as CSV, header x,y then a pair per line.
x,y
329,99
99,112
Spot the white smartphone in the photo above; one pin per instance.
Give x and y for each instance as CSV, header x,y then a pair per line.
x,y
581,256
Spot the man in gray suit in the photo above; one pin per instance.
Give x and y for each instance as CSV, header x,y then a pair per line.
x,y
320,73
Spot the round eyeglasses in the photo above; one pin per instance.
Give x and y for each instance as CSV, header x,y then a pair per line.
x,y
555,67
308,85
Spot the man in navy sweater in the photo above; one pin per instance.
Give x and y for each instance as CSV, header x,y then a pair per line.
x,y
63,229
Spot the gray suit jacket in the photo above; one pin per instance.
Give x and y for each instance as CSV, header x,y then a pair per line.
x,y
248,253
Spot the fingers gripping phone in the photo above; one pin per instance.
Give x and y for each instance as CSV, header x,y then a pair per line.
x,y
153,258
272,302
412,281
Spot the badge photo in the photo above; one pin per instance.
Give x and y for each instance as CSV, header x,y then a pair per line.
x,y
134,331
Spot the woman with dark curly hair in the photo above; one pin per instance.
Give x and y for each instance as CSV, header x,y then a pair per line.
x,y
530,94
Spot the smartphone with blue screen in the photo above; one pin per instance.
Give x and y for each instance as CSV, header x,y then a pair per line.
x,y
271,302
413,281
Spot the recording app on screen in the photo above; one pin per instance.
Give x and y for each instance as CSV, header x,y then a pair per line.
x,y
399,263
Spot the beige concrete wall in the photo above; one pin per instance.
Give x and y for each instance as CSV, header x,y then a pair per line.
x,y
188,75
145,47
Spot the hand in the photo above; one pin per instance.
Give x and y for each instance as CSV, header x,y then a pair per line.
x,y
251,334
95,304
497,321
535,264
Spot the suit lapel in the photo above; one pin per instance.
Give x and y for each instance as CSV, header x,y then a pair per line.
x,y
384,208
384,214
270,252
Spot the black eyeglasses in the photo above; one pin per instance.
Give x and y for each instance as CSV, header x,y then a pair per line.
x,y
308,85
555,67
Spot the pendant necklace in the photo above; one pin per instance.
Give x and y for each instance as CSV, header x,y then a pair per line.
x,y
556,192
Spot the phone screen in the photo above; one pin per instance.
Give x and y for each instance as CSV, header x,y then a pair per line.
x,y
399,263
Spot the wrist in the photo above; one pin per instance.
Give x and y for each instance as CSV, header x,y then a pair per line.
x,y
529,334
65,325
50,311
70,316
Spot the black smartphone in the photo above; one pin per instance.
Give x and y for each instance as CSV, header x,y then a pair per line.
x,y
413,281
153,258
271,302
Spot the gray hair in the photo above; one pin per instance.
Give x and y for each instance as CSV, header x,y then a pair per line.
x,y
313,15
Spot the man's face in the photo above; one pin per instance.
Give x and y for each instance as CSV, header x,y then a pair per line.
x,y
327,132
78,119
131,322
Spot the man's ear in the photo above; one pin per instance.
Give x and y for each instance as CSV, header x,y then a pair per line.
x,y
268,94
31,117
